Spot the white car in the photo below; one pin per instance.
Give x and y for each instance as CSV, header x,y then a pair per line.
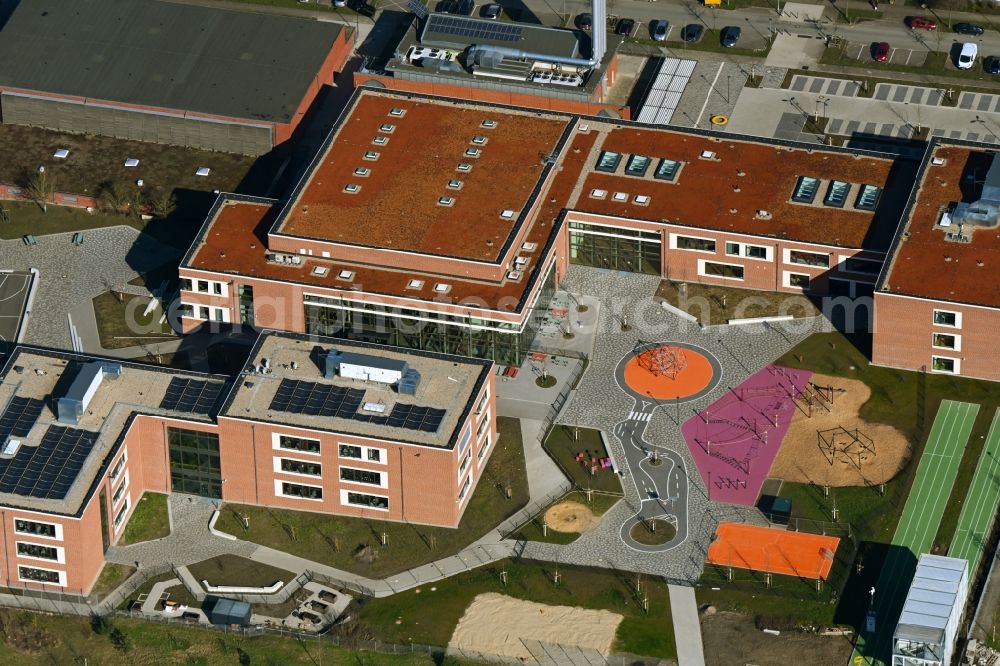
x,y
967,56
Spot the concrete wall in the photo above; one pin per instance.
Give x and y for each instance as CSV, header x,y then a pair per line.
x,y
904,330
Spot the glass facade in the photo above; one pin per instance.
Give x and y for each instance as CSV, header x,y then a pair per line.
x,y
617,249
246,304
194,462
448,334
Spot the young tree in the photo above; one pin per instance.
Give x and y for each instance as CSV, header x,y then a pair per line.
x,y
40,187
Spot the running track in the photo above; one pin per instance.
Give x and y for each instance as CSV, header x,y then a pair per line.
x,y
918,525
980,503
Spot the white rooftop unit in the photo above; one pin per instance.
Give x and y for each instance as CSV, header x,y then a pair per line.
x,y
365,367
928,626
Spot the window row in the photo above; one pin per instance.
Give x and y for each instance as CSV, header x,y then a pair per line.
x,y
638,165
837,193
35,528
38,551
205,313
204,286
36,575
312,446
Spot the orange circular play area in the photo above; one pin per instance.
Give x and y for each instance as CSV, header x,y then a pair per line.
x,y
668,372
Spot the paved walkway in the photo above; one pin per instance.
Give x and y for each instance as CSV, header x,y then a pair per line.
x,y
544,476
687,626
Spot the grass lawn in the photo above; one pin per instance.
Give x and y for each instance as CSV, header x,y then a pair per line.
x,y
27,218
336,540
653,532
754,604
717,305
599,504
31,639
149,520
112,575
430,617
563,448
238,571
120,323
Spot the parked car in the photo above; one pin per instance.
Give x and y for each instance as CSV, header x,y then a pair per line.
x,y
658,30
492,11
339,3
922,23
465,7
991,65
625,27
730,35
585,21
967,56
969,29
693,32
880,51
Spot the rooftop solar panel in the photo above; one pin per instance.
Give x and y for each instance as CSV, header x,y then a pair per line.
x,y
47,471
465,27
20,416
299,397
191,396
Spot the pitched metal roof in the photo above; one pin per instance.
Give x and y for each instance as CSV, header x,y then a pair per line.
x,y
936,588
178,56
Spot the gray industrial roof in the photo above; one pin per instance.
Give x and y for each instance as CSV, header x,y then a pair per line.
x,y
936,588
177,56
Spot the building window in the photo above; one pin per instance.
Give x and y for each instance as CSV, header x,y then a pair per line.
x,y
836,194
301,444
482,403
465,464
301,467
947,318
365,500
118,467
120,515
34,575
945,341
186,284
697,244
360,476
667,170
350,451
869,266
608,161
195,466
465,488
726,271
217,288
944,365
482,426
805,189
637,165
47,530
203,286
245,292
868,197
37,551
755,251
121,489
804,258
375,455
798,280
483,449
300,491
733,249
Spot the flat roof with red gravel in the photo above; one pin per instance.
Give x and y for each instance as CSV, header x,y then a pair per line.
x,y
926,265
711,193
397,205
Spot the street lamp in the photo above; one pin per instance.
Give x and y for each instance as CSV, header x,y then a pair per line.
x,y
822,99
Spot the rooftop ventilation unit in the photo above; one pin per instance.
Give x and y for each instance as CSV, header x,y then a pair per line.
x,y
364,367
10,447
408,384
71,407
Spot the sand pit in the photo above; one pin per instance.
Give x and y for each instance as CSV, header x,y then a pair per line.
x,y
801,460
497,624
570,516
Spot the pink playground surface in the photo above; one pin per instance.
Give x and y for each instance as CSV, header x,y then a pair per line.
x,y
735,440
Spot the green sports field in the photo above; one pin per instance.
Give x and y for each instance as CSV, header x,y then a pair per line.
x,y
980,505
917,526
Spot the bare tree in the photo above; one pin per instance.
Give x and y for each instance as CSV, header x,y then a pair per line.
x,y
162,203
40,187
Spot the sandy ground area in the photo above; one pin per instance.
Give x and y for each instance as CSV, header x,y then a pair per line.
x,y
731,639
496,623
801,460
570,516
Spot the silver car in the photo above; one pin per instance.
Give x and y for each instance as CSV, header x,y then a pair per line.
x,y
658,30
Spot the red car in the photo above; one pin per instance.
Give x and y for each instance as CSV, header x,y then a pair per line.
x,y
880,51
922,23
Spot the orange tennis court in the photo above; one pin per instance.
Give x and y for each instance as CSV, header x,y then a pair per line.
x,y
774,551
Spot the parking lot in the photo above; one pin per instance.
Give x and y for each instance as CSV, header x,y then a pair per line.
x,y
897,56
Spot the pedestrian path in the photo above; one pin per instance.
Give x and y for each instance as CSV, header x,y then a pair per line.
x,y
892,92
824,86
974,101
687,626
